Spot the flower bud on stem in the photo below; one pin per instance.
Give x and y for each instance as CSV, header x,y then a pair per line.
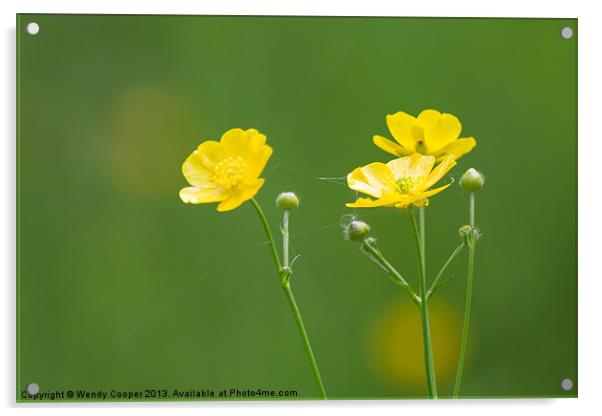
x,y
373,252
284,272
356,230
471,181
287,200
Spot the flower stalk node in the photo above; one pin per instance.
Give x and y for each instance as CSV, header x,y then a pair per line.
x,y
465,233
469,234
370,241
285,274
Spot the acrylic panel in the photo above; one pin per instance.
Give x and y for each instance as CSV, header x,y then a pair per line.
x,y
148,145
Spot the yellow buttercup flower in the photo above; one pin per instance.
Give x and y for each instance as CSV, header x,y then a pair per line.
x,y
431,133
400,182
226,171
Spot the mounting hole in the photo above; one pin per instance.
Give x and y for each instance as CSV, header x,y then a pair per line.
x,y
566,384
33,28
566,32
33,388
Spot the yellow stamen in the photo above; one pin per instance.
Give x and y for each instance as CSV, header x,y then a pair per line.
x,y
229,172
405,185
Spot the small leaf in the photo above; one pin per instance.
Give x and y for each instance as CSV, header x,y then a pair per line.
x,y
294,259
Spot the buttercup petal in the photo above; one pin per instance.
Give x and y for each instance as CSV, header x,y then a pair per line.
x,y
239,195
196,173
439,129
446,164
432,192
415,167
259,159
243,143
235,141
421,199
250,146
428,119
374,179
389,199
423,202
403,128
192,195
209,154
198,168
416,201
389,146
256,144
459,147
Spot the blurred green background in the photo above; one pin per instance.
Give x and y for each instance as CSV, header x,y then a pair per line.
x,y
122,286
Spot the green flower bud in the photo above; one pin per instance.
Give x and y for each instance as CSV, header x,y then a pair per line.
x,y
472,180
287,200
465,232
356,230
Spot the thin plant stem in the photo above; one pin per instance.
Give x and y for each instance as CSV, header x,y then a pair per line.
x,y
469,284
436,282
284,273
397,278
429,365
308,351
268,234
285,238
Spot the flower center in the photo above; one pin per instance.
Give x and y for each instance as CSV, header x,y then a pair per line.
x,y
229,172
417,133
421,147
405,185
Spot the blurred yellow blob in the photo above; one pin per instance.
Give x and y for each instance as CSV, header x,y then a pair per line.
x,y
395,346
143,144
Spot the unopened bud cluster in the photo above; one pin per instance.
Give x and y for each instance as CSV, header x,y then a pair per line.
x,y
467,233
464,232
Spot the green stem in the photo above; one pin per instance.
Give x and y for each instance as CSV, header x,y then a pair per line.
x,y
469,283
308,351
391,271
429,365
285,238
284,273
436,283
268,233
